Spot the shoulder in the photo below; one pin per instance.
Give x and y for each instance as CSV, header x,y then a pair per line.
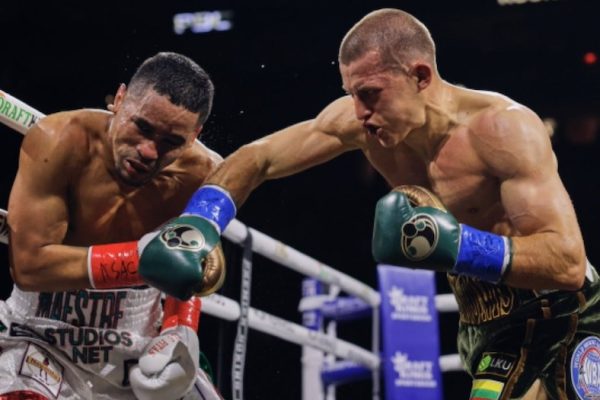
x,y
65,138
339,119
67,131
505,117
508,136
198,161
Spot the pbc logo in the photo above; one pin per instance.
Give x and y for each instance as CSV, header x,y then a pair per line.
x,y
183,237
419,237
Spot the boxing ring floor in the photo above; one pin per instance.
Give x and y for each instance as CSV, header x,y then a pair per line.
x,y
323,344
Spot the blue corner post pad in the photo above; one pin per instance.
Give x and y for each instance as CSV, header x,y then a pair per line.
x,y
213,203
483,255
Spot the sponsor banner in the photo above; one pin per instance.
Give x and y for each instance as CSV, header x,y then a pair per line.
x,y
410,334
312,319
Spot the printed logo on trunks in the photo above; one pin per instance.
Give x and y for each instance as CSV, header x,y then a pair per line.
x,y
38,365
419,237
99,309
82,345
183,237
585,368
496,364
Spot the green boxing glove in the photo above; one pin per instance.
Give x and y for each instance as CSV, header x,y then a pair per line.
x,y
179,260
174,259
423,235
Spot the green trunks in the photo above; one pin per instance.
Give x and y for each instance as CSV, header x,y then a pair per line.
x,y
508,338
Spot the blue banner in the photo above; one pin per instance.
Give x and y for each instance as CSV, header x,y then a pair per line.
x,y
312,319
410,334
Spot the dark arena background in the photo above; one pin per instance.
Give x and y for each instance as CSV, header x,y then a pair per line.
x,y
274,64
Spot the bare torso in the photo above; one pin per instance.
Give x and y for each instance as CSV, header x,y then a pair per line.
x,y
67,196
455,172
102,209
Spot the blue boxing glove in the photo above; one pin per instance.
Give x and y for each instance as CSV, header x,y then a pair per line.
x,y
424,235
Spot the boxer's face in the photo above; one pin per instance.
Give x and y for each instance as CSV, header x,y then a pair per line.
x,y
386,101
147,133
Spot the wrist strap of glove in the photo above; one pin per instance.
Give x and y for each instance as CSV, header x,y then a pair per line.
x,y
181,313
114,265
214,204
483,255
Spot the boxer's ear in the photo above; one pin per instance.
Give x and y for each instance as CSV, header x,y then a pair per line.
x,y
119,96
423,74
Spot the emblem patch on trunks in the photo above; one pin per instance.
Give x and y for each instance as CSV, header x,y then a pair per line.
x,y
585,368
496,364
40,366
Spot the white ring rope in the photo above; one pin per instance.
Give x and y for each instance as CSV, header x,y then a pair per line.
x,y
20,116
223,307
293,259
17,115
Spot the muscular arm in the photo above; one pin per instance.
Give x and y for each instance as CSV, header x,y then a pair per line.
x,y
548,247
290,150
38,215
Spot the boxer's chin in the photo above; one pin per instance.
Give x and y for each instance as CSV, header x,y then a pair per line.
x,y
386,139
132,177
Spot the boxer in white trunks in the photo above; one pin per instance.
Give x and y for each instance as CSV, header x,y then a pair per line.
x,y
85,319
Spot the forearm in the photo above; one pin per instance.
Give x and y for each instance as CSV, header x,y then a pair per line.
x,y
51,268
61,267
283,153
547,260
553,259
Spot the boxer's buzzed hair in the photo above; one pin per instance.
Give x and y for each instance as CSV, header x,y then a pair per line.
x,y
177,77
398,36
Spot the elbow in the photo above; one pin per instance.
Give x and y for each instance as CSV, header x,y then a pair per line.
x,y
573,279
24,280
574,270
24,274
255,156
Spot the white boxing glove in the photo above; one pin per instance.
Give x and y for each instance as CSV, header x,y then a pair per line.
x,y
167,369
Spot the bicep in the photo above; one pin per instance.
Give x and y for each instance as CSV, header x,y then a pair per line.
x,y
334,131
37,211
532,193
289,151
299,147
536,204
